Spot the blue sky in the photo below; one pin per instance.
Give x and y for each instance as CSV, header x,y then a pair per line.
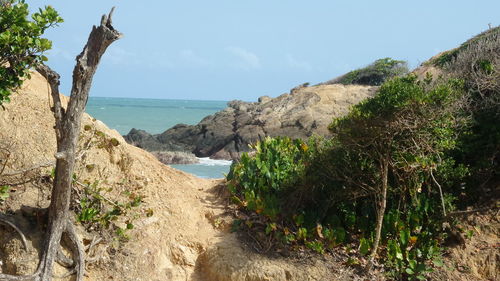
x,y
229,49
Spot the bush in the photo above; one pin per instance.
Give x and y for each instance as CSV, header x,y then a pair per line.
x,y
394,168
477,62
391,150
259,181
374,74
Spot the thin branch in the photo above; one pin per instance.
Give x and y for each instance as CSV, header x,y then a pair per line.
x,y
4,220
100,195
95,240
440,193
63,260
5,162
8,277
53,79
461,213
35,167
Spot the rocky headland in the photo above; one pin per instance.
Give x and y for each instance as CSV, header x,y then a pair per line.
x,y
304,112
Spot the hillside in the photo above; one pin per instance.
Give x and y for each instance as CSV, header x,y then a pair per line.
x,y
186,238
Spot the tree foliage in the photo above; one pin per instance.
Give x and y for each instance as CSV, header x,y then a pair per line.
x,y
374,74
21,42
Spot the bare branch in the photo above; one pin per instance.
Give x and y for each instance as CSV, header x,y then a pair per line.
x,y
100,195
76,247
35,167
440,193
6,160
5,220
53,79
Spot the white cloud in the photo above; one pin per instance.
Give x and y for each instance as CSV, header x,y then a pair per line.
x,y
117,55
57,52
297,64
192,59
159,59
248,60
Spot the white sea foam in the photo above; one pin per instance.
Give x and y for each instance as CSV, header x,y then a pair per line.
x,y
205,161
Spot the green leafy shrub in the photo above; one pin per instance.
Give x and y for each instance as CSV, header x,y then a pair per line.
x,y
258,181
21,44
374,74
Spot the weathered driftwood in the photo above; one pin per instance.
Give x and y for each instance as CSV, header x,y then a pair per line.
x,y
67,128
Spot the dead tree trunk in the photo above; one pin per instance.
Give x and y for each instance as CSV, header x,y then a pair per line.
x,y
67,128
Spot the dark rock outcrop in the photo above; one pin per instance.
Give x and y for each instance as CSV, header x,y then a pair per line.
x,y
301,114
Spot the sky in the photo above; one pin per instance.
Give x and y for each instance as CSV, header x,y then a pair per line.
x,y
230,49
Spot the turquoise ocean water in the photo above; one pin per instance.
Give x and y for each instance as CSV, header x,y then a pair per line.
x,y
155,116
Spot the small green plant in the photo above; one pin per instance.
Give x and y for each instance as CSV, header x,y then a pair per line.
x,y
364,246
4,193
413,239
98,212
469,234
90,167
410,261
316,246
114,142
100,140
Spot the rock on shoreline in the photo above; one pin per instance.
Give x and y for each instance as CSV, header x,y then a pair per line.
x,y
175,157
304,112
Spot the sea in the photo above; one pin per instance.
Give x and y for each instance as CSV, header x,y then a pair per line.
x,y
156,116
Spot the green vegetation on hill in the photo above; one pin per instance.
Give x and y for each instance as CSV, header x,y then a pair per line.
x,y
488,38
374,74
386,182
477,64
